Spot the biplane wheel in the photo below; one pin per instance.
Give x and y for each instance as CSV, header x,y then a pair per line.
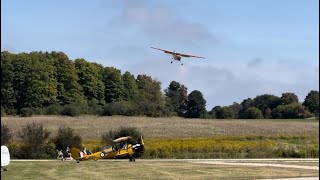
x,y
171,62
78,161
182,64
132,159
102,154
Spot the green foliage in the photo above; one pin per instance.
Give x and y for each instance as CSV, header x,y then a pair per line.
x,y
71,110
150,98
114,87
54,109
291,111
90,79
43,83
67,138
6,134
224,112
130,87
196,105
266,103
26,112
312,102
245,104
288,98
253,113
126,108
109,136
176,98
68,88
8,98
236,107
35,142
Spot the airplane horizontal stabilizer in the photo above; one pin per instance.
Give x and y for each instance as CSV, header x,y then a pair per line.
x,y
75,153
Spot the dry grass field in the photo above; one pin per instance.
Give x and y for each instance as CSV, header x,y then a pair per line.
x,y
91,127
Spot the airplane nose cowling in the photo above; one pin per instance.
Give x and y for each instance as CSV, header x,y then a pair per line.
x,y
140,146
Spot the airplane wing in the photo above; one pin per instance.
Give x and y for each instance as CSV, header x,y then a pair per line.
x,y
179,54
166,51
188,55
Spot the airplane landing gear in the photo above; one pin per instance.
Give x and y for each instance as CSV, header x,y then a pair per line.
x,y
171,62
132,159
181,64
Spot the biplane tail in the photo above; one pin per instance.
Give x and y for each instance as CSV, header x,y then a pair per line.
x,y
75,153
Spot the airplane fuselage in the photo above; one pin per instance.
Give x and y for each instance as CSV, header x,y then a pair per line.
x,y
176,57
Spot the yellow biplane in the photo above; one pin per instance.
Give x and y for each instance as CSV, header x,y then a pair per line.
x,y
120,149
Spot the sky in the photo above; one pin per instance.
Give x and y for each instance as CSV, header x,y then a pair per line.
x,y
251,47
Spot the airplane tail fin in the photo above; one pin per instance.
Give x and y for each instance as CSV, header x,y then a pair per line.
x,y
75,153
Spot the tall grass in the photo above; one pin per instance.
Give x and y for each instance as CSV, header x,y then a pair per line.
x,y
250,146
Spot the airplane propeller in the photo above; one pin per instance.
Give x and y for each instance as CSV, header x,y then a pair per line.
x,y
140,146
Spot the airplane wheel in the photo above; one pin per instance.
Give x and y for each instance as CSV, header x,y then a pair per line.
x,y
182,64
171,62
78,161
131,159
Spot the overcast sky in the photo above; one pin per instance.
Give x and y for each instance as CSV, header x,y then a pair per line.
x,y
252,47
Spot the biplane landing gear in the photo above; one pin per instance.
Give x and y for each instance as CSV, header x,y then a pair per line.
x,y
78,161
132,159
171,62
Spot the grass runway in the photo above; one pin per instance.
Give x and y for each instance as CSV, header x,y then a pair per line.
x,y
161,169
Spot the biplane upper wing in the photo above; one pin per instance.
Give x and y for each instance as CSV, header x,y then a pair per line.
x,y
188,55
166,51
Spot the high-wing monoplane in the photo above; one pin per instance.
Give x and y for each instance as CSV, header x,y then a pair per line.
x,y
120,149
177,56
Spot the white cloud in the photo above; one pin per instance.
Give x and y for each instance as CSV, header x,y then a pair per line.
x,y
159,23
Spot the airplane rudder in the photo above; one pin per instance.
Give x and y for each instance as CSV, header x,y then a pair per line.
x,y
75,153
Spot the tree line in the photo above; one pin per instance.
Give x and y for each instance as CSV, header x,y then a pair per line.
x,y
51,83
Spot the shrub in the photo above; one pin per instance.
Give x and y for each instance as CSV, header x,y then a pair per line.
x,y
253,113
293,110
35,142
26,112
125,108
5,134
225,113
66,138
53,109
3,112
70,110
